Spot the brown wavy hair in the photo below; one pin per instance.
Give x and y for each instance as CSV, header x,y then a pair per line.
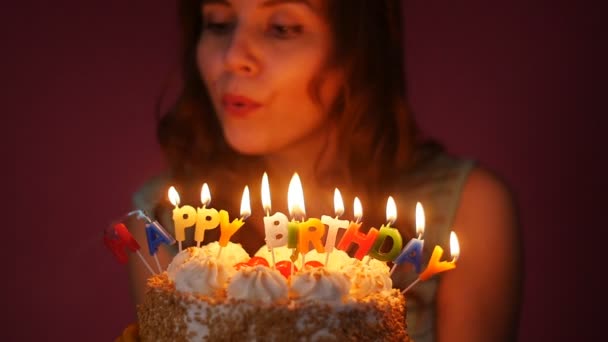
x,y
376,132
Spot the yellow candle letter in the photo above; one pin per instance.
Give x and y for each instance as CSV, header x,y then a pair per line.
x,y
227,228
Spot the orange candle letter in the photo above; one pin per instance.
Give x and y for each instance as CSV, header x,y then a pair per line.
x,y
311,231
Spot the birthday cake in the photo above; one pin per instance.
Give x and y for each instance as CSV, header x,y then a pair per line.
x,y
223,294
300,286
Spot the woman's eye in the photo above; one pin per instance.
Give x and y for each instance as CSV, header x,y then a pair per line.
x,y
218,27
285,31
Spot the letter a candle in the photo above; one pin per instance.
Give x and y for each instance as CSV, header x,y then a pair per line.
x,y
412,252
436,265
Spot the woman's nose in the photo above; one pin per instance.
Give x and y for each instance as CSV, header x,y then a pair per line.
x,y
239,56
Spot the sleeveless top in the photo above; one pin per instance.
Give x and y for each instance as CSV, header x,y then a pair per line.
x,y
437,184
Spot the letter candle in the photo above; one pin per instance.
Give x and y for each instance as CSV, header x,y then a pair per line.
x,y
436,265
334,224
309,232
227,228
208,218
116,238
275,226
295,203
183,217
387,231
412,252
353,235
155,235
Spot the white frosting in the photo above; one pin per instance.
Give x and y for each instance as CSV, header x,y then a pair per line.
x,y
232,254
337,258
375,263
319,284
196,330
366,279
258,284
186,255
195,272
203,276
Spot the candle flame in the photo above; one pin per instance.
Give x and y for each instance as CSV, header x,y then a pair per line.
x,y
454,246
205,195
245,204
391,210
295,197
420,220
338,203
266,204
357,209
173,196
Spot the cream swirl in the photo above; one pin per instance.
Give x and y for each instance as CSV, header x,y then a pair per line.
x,y
186,255
319,284
230,255
366,279
199,275
259,284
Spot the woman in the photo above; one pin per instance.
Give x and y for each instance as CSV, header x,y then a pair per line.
x,y
316,87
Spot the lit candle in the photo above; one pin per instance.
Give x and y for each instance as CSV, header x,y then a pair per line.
x,y
183,217
117,238
275,226
334,224
357,209
388,231
311,231
436,265
208,218
353,235
227,228
297,209
412,252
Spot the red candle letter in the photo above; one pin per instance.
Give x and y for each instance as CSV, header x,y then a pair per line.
x,y
364,241
116,238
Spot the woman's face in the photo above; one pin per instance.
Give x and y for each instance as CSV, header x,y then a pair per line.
x,y
257,59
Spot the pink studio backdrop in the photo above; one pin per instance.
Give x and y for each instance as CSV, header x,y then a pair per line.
x,y
506,84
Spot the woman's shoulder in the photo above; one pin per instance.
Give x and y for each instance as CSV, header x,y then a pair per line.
x,y
466,178
487,196
151,192
439,171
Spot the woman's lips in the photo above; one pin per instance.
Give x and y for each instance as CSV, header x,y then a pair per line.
x,y
239,106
